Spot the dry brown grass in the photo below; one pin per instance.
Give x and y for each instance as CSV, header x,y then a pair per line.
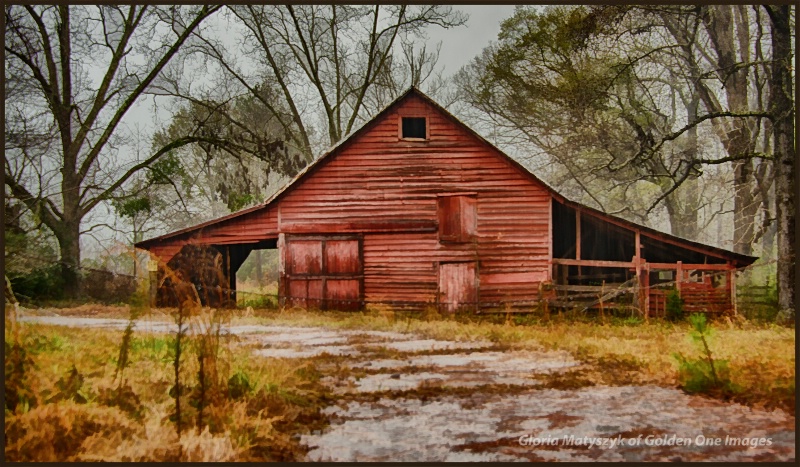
x,y
129,420
761,356
283,396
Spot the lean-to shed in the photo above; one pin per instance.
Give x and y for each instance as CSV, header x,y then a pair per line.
x,y
415,209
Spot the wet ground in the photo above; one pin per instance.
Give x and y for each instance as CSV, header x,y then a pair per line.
x,y
408,398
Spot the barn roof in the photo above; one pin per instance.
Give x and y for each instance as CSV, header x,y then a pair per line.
x,y
727,254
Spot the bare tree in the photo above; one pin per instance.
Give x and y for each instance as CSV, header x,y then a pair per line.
x,y
333,65
74,73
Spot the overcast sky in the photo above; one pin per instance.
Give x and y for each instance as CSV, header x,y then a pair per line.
x,y
460,45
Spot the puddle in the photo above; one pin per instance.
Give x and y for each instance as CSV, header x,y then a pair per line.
x,y
432,344
401,382
511,361
456,370
488,428
306,352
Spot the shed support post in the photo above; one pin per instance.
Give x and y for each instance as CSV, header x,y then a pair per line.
x,y
578,242
152,270
231,280
731,280
282,285
679,277
646,291
642,292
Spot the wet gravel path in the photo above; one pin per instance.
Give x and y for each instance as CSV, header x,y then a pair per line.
x,y
409,398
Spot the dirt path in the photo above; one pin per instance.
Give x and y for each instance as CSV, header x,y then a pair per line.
x,y
408,398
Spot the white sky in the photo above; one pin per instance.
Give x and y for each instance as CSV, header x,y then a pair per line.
x,y
460,45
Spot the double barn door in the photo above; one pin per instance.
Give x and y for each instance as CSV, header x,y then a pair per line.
x,y
326,273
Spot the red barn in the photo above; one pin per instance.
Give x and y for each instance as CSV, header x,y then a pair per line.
x,y
416,209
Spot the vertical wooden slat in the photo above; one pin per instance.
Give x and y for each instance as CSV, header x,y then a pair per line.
x,y
578,241
283,286
646,290
731,280
578,235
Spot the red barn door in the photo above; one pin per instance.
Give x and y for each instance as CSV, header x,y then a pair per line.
x,y
324,272
458,287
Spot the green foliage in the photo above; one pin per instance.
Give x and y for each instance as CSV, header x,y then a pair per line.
x,y
42,283
156,348
705,375
27,251
239,385
166,169
237,201
69,387
698,376
674,306
132,207
260,302
626,321
700,327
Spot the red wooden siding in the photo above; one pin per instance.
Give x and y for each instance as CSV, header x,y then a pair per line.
x,y
377,179
252,227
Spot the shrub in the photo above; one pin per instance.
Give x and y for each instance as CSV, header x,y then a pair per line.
x,y
42,283
239,385
107,287
674,306
699,376
258,302
704,375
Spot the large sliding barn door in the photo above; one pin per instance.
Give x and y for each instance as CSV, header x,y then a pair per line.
x,y
324,272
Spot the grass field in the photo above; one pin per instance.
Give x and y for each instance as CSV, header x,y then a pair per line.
x,y
73,400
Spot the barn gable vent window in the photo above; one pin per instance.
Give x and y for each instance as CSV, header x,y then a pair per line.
x,y
457,218
414,128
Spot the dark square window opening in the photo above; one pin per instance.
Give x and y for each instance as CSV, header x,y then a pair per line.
x,y
414,127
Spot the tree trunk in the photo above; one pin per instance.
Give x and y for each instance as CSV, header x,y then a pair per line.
x,y
745,206
782,107
737,138
69,244
682,211
683,204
